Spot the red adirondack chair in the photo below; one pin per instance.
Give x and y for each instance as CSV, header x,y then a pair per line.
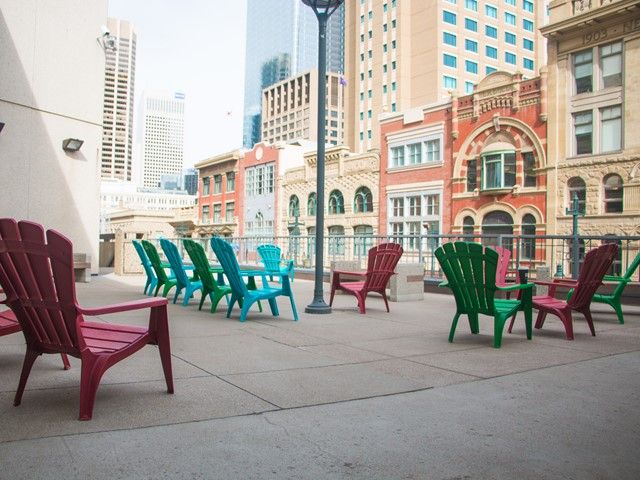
x,y
39,283
382,262
504,255
596,264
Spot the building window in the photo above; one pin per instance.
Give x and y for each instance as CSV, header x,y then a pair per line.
x,y
336,202
471,5
364,239
528,227
496,224
449,17
363,201
449,39
613,193
499,170
610,129
527,5
577,188
528,63
583,71
583,132
527,25
490,31
491,52
470,66
217,184
611,65
231,181
336,240
470,24
529,165
311,204
471,46
468,226
414,215
449,60
527,44
510,58
510,38
205,214
509,18
491,11
416,153
229,211
468,87
450,82
217,212
294,206
206,185
472,175
488,70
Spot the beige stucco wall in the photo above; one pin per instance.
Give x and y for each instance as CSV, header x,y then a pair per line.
x,y
51,79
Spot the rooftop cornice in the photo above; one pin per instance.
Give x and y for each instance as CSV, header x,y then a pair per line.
x,y
591,17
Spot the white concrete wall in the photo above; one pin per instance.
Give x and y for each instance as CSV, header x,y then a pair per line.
x,y
51,88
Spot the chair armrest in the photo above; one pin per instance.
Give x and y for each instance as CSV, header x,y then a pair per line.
x,y
557,283
124,307
444,283
612,278
515,286
345,272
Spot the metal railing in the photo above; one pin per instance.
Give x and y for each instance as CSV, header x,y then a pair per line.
x,y
552,254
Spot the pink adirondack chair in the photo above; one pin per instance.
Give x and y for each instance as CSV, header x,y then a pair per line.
x,y
596,264
39,283
382,261
504,255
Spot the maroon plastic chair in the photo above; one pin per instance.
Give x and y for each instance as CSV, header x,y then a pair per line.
x,y
596,264
39,282
382,262
504,255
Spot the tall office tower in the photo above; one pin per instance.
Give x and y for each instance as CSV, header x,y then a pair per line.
x,y
162,135
117,117
400,54
282,41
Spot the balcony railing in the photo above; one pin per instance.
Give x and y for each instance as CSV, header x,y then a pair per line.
x,y
553,254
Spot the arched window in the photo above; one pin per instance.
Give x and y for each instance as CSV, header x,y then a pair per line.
x,y
528,244
613,200
311,204
336,240
363,201
363,239
468,225
577,187
294,206
495,224
336,202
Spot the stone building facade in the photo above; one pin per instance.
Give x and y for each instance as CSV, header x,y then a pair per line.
x,y
351,202
594,111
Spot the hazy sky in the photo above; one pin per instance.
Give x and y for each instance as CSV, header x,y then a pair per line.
x,y
197,47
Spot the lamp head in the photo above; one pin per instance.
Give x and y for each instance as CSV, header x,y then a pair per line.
x,y
323,7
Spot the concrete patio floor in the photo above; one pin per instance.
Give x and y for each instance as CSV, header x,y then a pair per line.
x,y
334,396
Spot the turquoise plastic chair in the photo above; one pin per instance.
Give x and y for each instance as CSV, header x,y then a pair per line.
x,y
152,280
270,257
240,291
183,282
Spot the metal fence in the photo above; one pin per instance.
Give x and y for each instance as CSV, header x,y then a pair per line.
x,y
555,255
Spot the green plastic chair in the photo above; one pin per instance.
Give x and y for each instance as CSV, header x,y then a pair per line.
x,y
614,298
183,282
270,255
240,291
210,286
167,282
152,281
471,275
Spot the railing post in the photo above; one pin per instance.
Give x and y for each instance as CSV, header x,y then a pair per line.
x,y
575,212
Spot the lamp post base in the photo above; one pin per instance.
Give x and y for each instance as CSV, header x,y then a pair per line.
x,y
318,307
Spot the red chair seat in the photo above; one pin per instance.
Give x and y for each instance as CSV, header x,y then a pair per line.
x,y
8,323
550,302
352,286
110,338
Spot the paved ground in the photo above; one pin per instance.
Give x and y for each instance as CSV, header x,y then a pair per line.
x,y
340,396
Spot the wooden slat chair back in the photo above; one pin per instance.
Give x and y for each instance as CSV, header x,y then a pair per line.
x,y
165,281
152,280
183,282
210,286
596,263
471,273
38,278
381,263
239,290
504,256
614,299
271,258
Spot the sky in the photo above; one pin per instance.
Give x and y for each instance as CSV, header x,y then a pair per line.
x,y
196,47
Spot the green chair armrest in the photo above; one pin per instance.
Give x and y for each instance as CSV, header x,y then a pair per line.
x,y
515,286
612,278
444,284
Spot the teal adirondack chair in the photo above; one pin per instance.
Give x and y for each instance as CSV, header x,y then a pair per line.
x,y
240,291
152,280
270,257
210,286
471,275
167,282
183,282
614,298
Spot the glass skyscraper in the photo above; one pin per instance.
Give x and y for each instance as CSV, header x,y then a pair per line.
x,y
282,41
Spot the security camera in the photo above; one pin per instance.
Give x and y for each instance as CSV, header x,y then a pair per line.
x,y
105,31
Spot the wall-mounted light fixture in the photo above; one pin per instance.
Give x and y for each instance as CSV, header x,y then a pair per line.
x,y
107,41
71,144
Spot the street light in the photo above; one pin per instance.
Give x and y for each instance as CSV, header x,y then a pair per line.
x,y
323,10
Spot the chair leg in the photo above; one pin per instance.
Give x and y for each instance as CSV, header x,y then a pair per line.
x,y
498,327
230,306
65,361
384,297
245,309
587,315
334,285
164,346
473,322
202,299
618,308
361,299
146,286
92,370
513,320
540,318
293,307
29,357
567,321
528,320
176,295
274,307
215,300
453,326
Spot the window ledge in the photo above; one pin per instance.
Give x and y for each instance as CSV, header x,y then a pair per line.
x,y
414,167
496,191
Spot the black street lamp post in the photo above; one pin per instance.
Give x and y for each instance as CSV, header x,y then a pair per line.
x,y
323,10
